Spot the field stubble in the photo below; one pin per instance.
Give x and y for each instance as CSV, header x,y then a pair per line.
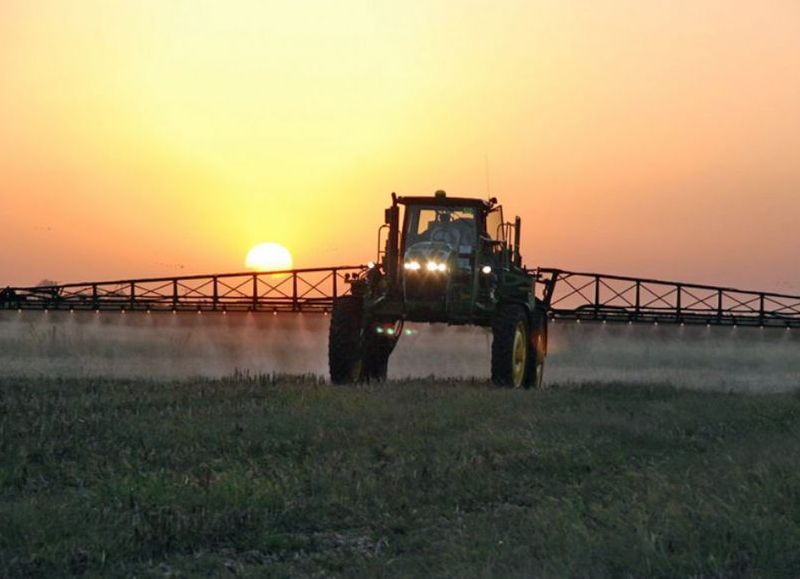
x,y
289,476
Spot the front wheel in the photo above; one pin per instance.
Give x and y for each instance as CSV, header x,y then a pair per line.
x,y
357,352
511,351
345,341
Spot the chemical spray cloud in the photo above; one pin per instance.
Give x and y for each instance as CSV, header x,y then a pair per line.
x,y
165,346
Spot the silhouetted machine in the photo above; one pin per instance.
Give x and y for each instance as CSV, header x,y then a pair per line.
x,y
456,260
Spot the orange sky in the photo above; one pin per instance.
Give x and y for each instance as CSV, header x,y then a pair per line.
x,y
155,138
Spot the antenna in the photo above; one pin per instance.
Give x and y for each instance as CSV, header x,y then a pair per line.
x,y
486,169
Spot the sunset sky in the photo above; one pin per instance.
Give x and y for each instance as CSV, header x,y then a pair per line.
x,y
156,137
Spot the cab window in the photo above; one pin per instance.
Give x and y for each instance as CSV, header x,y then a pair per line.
x,y
455,226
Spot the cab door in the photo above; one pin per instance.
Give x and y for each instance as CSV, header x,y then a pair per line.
x,y
490,260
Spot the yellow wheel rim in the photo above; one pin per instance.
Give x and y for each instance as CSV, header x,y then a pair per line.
x,y
519,358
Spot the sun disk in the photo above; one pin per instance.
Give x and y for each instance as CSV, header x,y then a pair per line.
x,y
268,257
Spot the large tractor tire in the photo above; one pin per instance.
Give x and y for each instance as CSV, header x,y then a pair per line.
x,y
538,343
356,353
376,357
346,341
378,347
518,348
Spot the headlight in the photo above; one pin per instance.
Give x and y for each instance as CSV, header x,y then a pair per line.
x,y
431,266
487,269
434,266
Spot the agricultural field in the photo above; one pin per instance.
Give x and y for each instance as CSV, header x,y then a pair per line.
x,y
286,477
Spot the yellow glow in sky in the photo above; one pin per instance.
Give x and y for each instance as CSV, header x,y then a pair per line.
x,y
151,137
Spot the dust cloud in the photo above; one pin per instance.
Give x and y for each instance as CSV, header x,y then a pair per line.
x,y
186,345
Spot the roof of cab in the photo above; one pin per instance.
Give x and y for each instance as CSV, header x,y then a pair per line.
x,y
444,201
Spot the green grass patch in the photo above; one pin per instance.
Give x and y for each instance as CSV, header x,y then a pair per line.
x,y
290,477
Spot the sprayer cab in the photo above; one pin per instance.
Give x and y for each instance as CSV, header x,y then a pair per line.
x,y
444,258
451,260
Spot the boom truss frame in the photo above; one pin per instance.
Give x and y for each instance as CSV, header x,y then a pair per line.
x,y
295,290
579,296
568,295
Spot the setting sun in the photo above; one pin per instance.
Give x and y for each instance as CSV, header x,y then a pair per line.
x,y
268,257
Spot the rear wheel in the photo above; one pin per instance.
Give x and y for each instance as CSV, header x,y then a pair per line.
x,y
379,342
345,341
511,350
538,351
376,358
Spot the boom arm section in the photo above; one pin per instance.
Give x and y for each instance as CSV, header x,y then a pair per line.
x,y
296,290
573,295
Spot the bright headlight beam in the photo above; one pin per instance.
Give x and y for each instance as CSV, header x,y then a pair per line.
x,y
431,266
487,269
